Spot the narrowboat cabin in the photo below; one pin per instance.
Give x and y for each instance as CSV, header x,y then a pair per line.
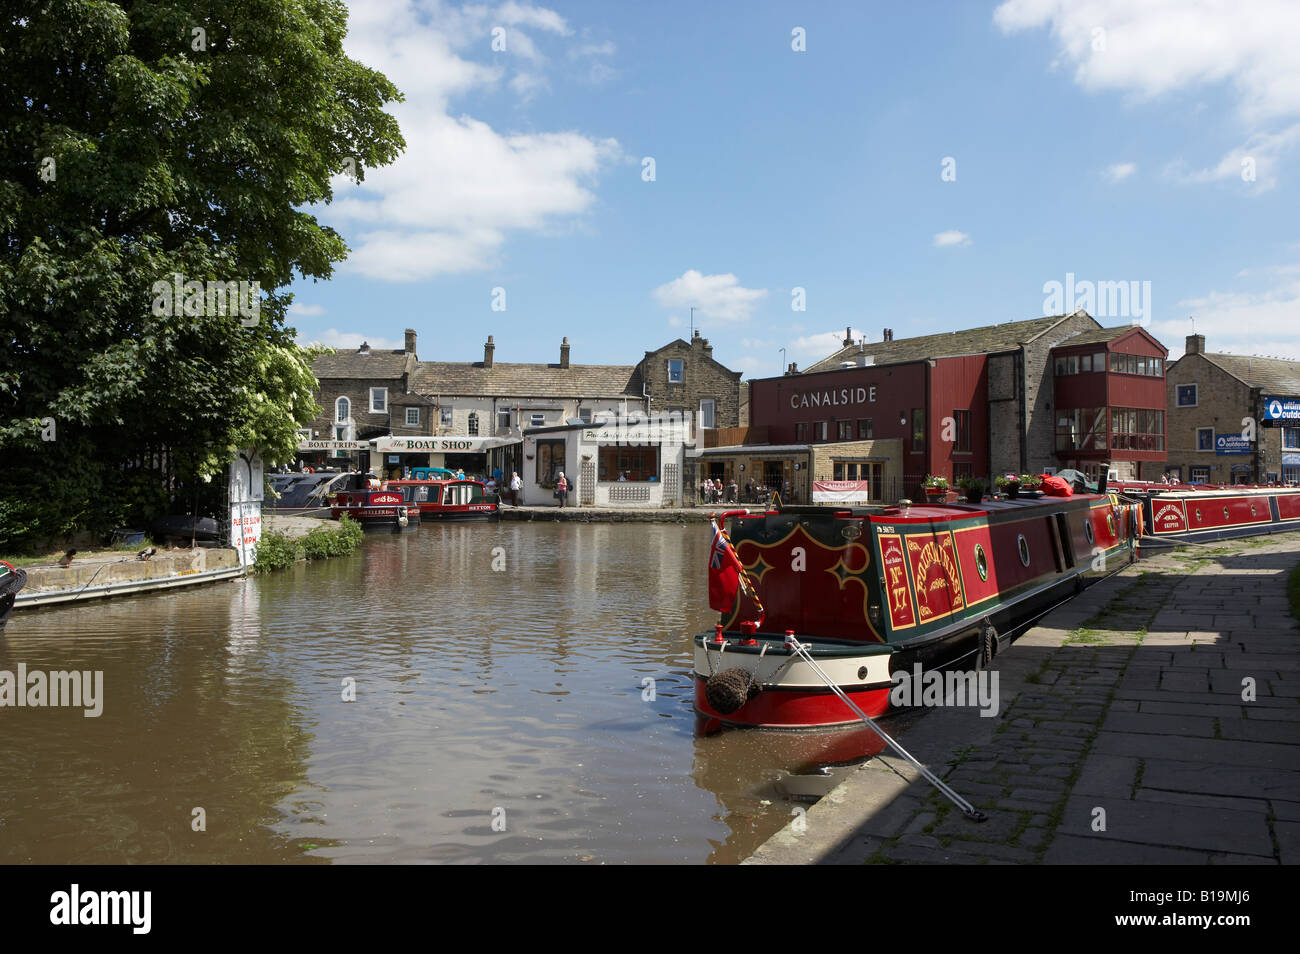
x,y
449,499
378,511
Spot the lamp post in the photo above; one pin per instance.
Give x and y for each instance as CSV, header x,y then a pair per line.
x,y
783,361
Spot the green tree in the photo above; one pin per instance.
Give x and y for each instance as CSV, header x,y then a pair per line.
x,y
139,140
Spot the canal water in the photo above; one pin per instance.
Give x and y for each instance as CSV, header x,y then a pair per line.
x,y
538,711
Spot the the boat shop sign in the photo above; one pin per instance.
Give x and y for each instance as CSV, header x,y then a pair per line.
x,y
833,397
438,445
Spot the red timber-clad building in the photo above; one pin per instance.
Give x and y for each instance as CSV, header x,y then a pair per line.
x,y
1110,403
981,402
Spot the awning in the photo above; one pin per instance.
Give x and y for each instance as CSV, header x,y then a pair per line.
x,y
450,444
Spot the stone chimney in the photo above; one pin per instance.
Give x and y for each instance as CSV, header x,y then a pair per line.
x,y
888,335
708,348
410,341
487,352
848,337
793,369
564,353
364,349
1195,344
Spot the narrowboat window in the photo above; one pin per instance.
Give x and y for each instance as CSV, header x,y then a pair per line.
x,y
1087,530
475,493
982,561
1023,546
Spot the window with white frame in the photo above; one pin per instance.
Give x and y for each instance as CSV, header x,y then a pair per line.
x,y
444,416
676,371
379,400
342,409
1291,438
1200,475
706,413
412,417
1205,438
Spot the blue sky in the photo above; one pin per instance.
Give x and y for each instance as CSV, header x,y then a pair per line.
x,y
1115,140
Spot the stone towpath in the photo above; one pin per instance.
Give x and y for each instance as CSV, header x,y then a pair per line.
x,y
1154,719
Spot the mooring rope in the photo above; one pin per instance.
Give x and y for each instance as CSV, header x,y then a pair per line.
x,y
967,809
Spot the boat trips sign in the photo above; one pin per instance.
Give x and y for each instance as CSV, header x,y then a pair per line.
x,y
1281,409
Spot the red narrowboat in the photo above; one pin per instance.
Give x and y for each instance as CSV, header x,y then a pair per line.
x,y
1186,513
378,511
870,591
451,499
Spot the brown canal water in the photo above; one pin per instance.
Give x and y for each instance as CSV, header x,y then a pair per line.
x,y
498,717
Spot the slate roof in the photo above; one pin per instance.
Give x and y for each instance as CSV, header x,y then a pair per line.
x,y
989,339
526,380
411,400
1096,336
355,364
1271,375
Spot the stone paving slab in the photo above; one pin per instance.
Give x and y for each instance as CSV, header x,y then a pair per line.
x,y
1128,699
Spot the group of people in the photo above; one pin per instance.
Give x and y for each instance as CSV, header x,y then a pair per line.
x,y
715,491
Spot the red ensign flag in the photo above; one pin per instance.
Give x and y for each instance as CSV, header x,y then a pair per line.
x,y
724,572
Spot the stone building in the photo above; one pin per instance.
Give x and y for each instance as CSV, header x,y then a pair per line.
x,y
363,394
1233,418
684,378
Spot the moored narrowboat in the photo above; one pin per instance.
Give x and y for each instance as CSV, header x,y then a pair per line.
x,y
378,511
870,591
1183,513
449,499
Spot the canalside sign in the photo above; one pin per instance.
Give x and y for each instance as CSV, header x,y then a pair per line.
x,y
1230,444
1281,409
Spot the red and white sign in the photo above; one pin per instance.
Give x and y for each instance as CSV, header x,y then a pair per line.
x,y
841,491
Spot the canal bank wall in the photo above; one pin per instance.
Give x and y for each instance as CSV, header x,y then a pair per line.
x,y
1152,720
609,514
118,575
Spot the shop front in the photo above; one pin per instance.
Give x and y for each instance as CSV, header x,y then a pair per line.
x,y
868,471
333,455
476,456
622,463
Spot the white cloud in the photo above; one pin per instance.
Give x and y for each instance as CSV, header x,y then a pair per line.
x,y
1260,322
451,201
1259,158
675,322
308,311
720,297
822,344
951,238
1156,47
333,338
1119,171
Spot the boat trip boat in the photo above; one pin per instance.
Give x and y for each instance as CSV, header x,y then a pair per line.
x,y
449,499
378,511
869,591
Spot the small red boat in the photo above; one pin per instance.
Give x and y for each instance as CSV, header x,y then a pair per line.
x,y
872,591
450,499
378,511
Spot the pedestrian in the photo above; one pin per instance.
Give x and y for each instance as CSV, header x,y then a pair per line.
x,y
562,490
731,491
496,475
516,485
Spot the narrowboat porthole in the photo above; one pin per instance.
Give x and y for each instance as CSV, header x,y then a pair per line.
x,y
1023,546
1088,532
1198,514
1225,513
1252,510
982,562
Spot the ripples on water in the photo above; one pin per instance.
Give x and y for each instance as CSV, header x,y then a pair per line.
x,y
514,695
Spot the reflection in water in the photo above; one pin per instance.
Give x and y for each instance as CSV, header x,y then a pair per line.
x,y
517,696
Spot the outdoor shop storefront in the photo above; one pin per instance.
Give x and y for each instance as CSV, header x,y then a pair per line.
x,y
477,456
619,464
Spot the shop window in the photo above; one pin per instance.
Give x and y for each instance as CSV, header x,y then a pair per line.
x,y
550,461
634,463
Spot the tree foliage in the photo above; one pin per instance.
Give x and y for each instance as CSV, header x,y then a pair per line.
x,y
142,139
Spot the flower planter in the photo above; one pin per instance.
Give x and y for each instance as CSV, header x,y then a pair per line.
x,y
974,496
935,493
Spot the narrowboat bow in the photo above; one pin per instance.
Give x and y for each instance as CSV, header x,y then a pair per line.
x,y
873,590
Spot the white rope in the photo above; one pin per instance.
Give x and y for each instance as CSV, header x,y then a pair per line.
x,y
967,808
